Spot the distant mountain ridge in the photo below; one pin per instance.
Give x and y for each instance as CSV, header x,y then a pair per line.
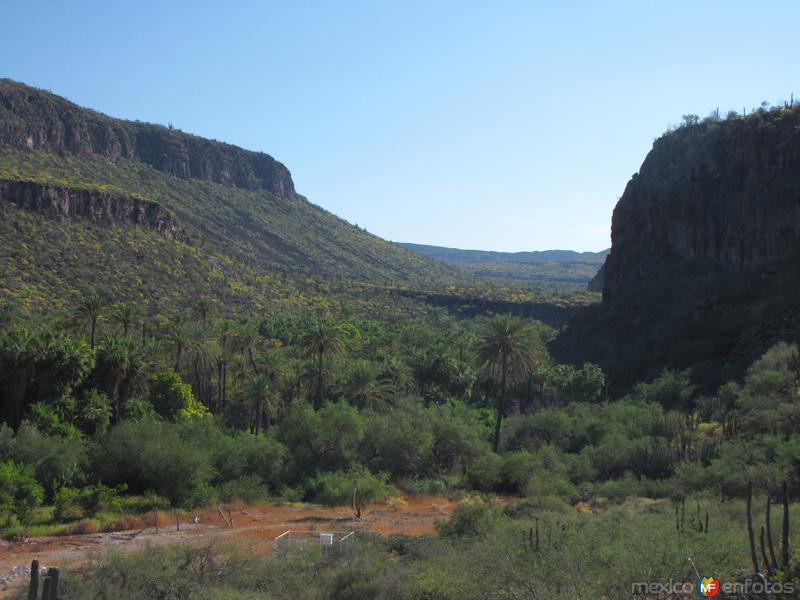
x,y
560,270
471,256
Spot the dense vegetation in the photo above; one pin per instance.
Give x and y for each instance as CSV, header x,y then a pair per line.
x,y
190,408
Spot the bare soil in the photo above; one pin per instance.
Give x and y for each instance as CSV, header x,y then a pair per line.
x,y
254,528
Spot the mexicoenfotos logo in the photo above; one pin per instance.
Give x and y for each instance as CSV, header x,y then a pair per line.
x,y
707,587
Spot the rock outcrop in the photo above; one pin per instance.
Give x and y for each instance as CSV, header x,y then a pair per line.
x,y
102,208
34,119
724,196
704,268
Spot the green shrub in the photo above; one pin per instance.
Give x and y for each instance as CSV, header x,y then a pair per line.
x,y
336,489
471,516
19,492
486,472
93,412
173,399
65,506
57,461
139,409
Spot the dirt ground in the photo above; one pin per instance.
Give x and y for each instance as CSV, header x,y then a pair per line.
x,y
255,528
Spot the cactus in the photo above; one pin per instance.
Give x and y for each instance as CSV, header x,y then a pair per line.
x,y
52,575
764,552
785,525
773,560
750,534
33,589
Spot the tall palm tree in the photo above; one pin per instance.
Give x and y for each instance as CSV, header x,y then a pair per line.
x,y
201,351
20,348
258,391
248,342
90,310
113,364
126,314
324,342
225,330
367,387
508,346
202,309
177,334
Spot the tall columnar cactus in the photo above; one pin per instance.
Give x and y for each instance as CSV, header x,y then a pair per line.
x,y
750,533
33,589
785,525
773,559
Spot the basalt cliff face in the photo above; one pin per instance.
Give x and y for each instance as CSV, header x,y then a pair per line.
x,y
106,209
703,269
31,119
723,196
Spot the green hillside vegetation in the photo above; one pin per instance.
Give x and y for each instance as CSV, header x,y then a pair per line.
x,y
252,227
107,417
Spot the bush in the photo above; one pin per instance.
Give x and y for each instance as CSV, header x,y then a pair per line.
x,y
65,507
138,410
172,398
19,492
336,489
471,516
485,472
162,457
57,461
93,412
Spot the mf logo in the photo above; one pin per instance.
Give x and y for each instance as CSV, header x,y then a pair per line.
x,y
707,587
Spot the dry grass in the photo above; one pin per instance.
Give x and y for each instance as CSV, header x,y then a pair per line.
x,y
82,527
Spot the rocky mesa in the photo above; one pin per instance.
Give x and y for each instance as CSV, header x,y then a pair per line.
x,y
704,258
32,119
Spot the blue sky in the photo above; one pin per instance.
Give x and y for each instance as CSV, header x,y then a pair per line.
x,y
492,125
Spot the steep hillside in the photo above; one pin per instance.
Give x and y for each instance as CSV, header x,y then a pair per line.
x,y
102,188
565,270
705,253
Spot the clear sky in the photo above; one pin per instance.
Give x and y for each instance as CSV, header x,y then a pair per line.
x,y
492,125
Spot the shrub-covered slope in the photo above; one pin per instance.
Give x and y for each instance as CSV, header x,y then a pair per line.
x,y
237,211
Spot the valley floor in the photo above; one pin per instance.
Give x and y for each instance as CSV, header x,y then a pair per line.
x,y
254,529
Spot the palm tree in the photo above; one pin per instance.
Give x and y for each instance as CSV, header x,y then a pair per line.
x,y
508,346
20,349
257,390
177,334
126,314
202,309
366,387
324,342
113,364
248,341
225,330
201,350
89,311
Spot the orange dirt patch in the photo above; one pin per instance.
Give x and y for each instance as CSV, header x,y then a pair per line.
x,y
254,527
